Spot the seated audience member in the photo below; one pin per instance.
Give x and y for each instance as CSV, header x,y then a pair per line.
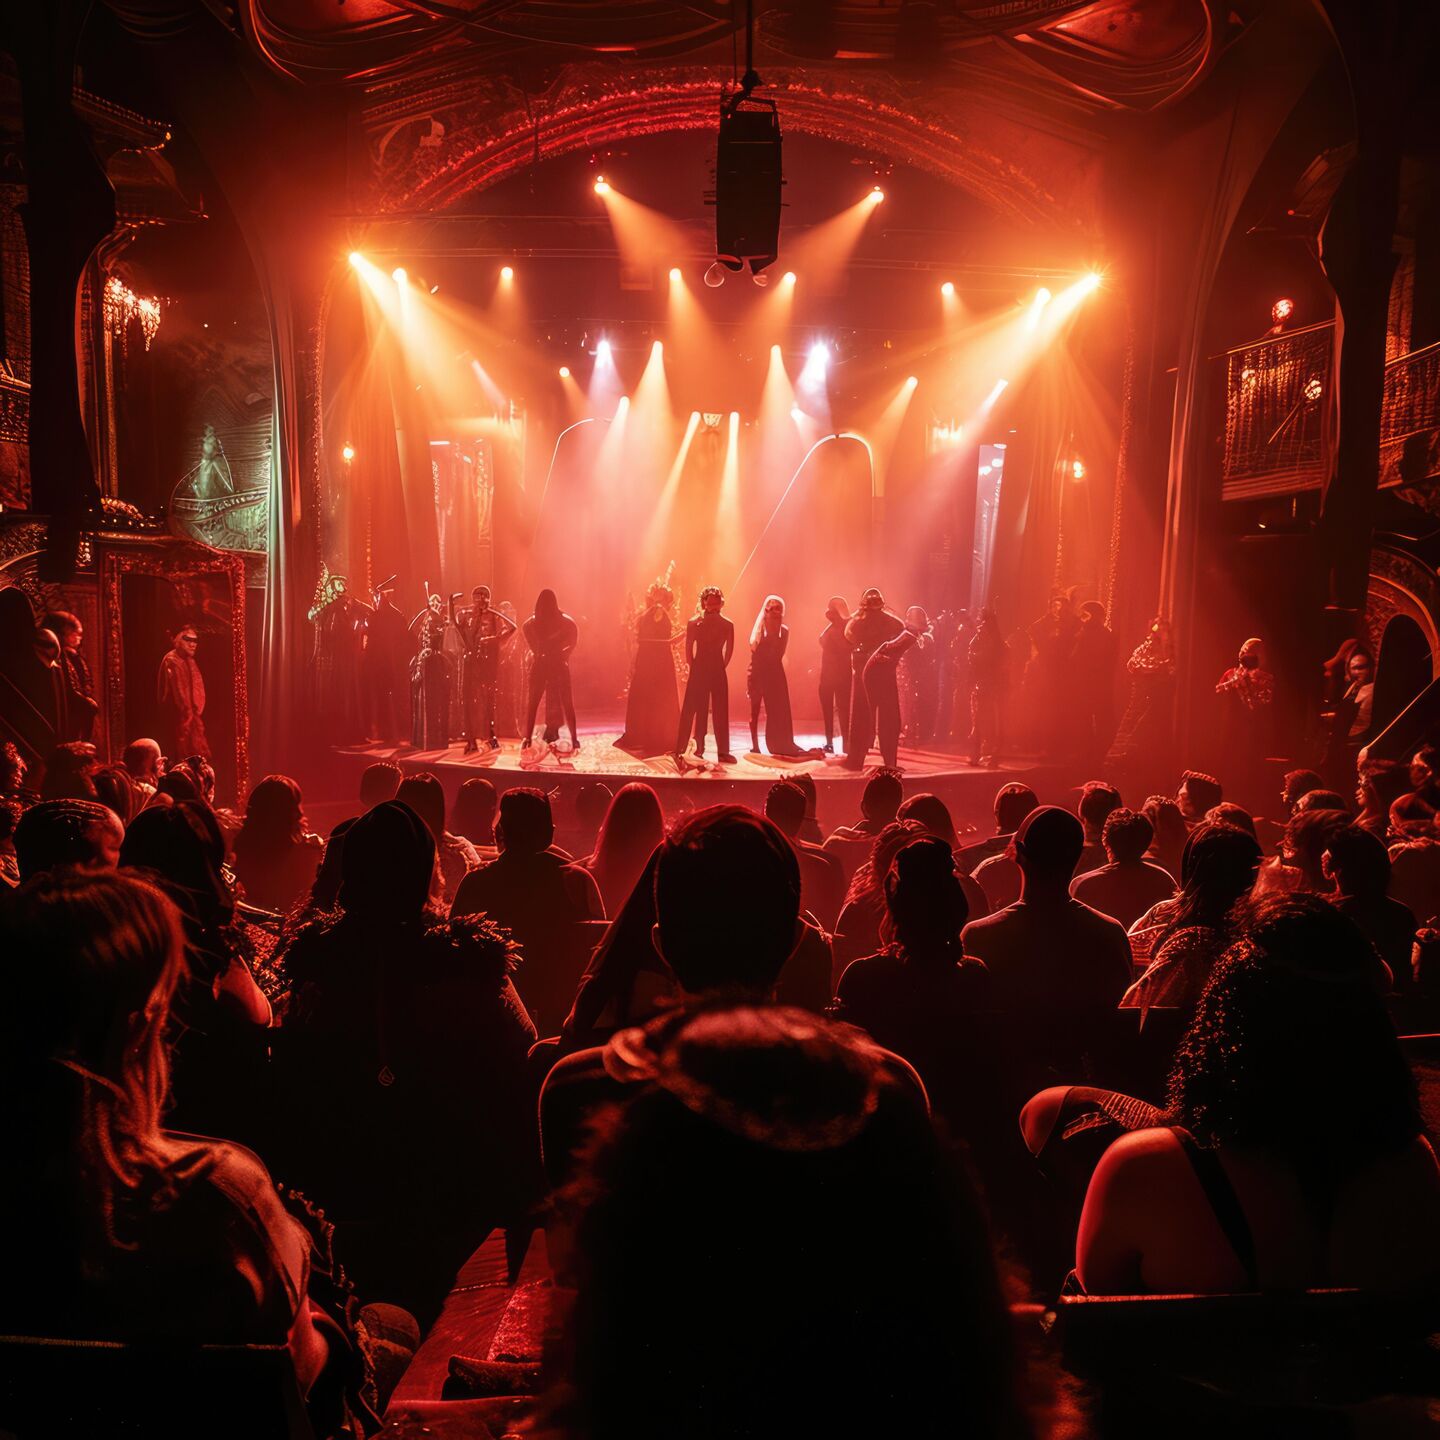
x,y
10,813
857,931
592,804
1298,784
275,856
455,856
822,878
1297,866
633,826
116,791
1425,775
1127,885
324,893
1197,793
132,1232
1097,801
1170,829
379,782
1013,802
409,1040
176,784
1379,784
141,759
1358,867
726,925
1053,961
1219,869
934,815
1321,800
474,815
921,994
879,801
1237,817
70,772
1291,1154
539,898
810,829
767,1238
1414,868
1146,933
67,835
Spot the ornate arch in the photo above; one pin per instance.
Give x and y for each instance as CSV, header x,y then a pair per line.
x,y
1400,585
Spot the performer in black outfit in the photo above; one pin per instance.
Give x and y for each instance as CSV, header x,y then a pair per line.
x,y
483,633
652,709
430,679
551,635
882,690
767,685
835,673
709,644
385,661
868,629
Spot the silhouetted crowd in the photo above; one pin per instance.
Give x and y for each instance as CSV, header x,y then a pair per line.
x,y
809,1124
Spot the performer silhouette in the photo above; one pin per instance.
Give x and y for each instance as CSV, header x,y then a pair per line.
x,y
652,709
767,685
835,674
868,629
483,633
551,635
709,644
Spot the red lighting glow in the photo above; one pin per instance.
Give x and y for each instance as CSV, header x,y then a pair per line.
x,y
1282,310
507,273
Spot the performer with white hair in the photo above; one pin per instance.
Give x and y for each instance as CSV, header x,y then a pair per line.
x,y
767,685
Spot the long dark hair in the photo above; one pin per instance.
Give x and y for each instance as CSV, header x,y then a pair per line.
x,y
1291,1048
547,607
273,818
1217,868
925,901
633,826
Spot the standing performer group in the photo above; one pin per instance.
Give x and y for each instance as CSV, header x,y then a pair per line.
x,y
709,644
483,634
551,635
652,710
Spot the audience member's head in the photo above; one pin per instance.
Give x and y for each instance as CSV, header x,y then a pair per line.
x,y
1013,802
1047,847
1298,783
1169,827
182,848
386,865
1198,792
633,826
69,772
785,807
67,627
1227,812
1097,800
425,795
1412,817
1307,837
727,900
1127,836
768,1144
923,895
179,784
805,781
474,813
202,772
1381,783
142,760
526,825
1216,870
1291,1049
869,879
1356,863
273,817
58,835
881,797
379,781
116,791
1425,768
1321,800
933,814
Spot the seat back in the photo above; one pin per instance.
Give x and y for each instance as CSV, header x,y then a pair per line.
x,y
54,1389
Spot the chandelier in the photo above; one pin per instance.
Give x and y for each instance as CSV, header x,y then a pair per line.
x,y
121,305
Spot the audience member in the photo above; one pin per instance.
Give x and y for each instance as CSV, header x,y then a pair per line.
x,y
116,791
1237,817
1197,793
1170,829
1097,801
474,815
633,826
1379,785
12,774
142,759
455,856
934,817
822,878
1055,964
1297,866
58,835
70,772
1219,869
379,782
879,801
1321,800
275,856
1415,873
1013,802
1127,885
1291,1154
1298,784
857,931
10,812
592,804
810,830
1357,865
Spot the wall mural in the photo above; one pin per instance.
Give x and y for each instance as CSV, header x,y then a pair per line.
x,y
213,505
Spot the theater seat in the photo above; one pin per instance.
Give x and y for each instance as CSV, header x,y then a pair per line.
x,y
52,1389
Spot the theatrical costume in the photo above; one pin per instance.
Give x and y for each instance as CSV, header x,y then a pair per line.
x,y
336,659
919,681
1048,678
767,686
1247,692
430,681
483,633
551,636
709,644
652,708
80,703
870,628
385,669
835,674
987,658
882,692
1144,727
180,688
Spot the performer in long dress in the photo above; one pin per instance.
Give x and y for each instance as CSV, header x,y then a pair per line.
x,y
868,629
709,644
483,633
652,708
551,635
766,682
835,673
180,688
430,679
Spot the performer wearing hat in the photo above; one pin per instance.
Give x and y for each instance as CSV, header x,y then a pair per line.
x,y
870,627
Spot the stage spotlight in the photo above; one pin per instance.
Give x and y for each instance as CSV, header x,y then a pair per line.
x,y
347,453
602,350
819,355
658,348
1042,296
1282,310
356,259
434,289
602,185
674,272
996,392
748,181
398,275
507,273
788,277
912,381
1077,470
715,275
796,413
564,372
948,289
1091,283
876,195
775,351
